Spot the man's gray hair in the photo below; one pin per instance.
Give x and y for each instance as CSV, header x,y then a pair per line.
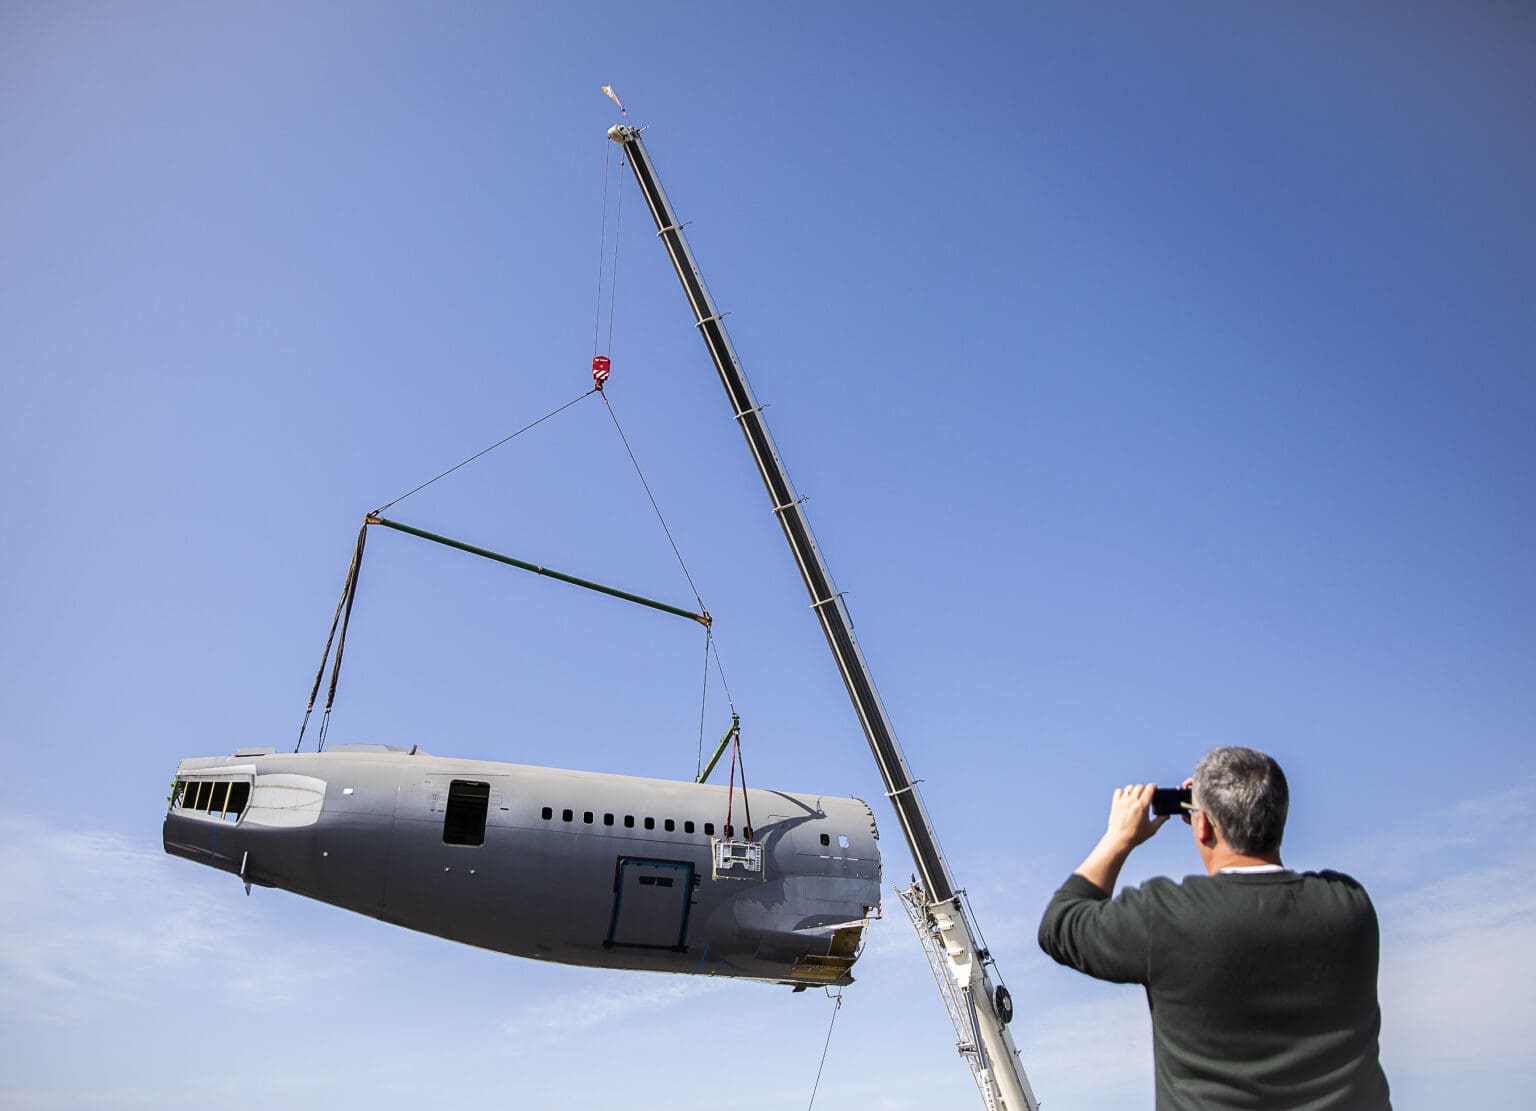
x,y
1244,792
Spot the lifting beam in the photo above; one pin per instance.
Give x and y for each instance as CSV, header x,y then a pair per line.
x,y
537,569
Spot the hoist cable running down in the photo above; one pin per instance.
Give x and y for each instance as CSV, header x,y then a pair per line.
x,y
989,1050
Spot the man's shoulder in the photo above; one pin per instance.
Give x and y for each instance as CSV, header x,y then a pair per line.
x,y
1225,885
1165,887
1163,892
1322,896
1329,876
1325,877
1344,892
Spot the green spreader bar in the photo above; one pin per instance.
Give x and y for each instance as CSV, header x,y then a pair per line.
x,y
701,618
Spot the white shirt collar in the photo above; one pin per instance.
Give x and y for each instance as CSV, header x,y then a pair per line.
x,y
1250,869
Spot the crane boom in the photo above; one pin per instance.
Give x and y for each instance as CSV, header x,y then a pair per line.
x,y
980,1011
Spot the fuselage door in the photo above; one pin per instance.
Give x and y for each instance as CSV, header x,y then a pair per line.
x,y
650,904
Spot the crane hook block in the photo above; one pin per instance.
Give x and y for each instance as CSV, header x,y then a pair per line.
x,y
599,371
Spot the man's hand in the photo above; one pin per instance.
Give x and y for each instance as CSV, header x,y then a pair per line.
x,y
1128,821
1128,827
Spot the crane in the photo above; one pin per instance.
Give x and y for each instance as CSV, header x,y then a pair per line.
x,y
979,1010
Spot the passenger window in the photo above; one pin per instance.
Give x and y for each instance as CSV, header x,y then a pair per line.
x,y
607,819
688,827
629,821
669,825
650,823
464,816
567,815
825,840
586,817
709,829
547,813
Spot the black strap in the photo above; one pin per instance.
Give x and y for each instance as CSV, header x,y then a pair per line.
x,y
339,621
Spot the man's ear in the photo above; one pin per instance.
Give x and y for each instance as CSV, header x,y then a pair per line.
x,y
1204,829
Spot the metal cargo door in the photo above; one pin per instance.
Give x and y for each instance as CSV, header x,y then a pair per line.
x,y
650,904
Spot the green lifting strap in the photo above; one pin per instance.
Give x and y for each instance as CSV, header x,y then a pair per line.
x,y
720,748
701,618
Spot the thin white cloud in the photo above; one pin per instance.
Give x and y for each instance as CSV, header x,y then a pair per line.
x,y
91,919
553,1015
1458,971
1097,1049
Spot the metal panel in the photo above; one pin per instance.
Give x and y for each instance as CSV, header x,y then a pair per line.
x,y
650,904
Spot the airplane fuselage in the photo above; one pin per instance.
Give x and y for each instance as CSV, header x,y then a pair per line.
x,y
577,867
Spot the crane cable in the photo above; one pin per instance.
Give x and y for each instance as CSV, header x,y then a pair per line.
x,y
837,1005
612,274
340,621
608,277
487,450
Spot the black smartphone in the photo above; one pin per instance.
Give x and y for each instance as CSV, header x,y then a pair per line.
x,y
1172,800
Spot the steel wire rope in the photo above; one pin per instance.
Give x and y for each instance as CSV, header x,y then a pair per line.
x,y
612,414
710,647
602,252
634,462
613,276
837,1005
486,451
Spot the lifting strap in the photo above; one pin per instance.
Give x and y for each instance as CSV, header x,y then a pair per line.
x,y
341,620
737,757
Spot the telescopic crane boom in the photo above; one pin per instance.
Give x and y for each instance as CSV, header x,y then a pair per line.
x,y
979,1010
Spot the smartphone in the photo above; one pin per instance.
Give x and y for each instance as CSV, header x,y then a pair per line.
x,y
1172,800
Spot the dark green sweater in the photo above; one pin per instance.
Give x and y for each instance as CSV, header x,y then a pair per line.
x,y
1262,986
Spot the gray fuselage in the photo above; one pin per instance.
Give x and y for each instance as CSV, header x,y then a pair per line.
x,y
577,867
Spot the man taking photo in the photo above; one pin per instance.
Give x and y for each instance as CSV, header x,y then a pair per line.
x,y
1261,981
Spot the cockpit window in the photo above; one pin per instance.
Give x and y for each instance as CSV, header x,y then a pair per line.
x,y
216,798
464,820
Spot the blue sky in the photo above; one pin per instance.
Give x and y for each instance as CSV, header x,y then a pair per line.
x,y
1160,377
